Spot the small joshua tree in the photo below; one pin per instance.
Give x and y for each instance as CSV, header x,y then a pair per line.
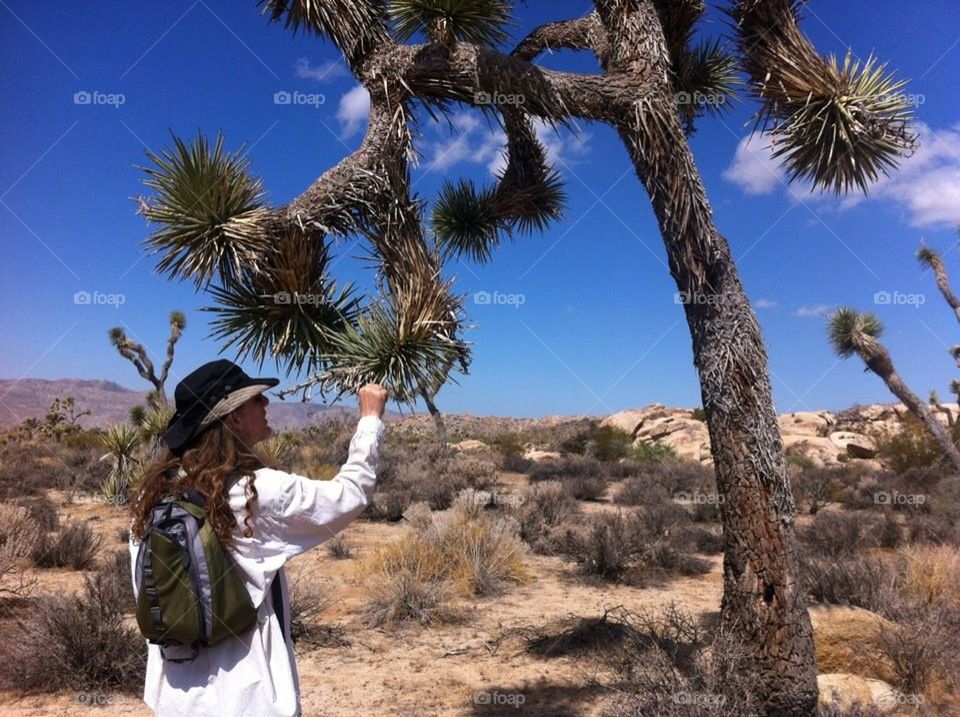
x,y
852,332
137,355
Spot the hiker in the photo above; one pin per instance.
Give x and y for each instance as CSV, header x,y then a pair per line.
x,y
262,518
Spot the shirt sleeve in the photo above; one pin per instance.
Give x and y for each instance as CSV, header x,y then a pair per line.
x,y
310,512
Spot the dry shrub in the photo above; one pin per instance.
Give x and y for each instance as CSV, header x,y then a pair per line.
x,y
74,545
307,602
460,552
632,546
42,510
545,509
679,671
565,467
640,491
338,548
865,581
922,649
80,642
429,473
19,537
838,535
115,574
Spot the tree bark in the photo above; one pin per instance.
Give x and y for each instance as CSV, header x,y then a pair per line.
x,y
437,419
762,600
878,360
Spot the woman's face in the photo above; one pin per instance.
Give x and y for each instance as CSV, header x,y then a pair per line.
x,y
249,421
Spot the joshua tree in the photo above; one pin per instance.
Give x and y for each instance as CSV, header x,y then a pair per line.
x,y
931,259
852,332
837,125
137,355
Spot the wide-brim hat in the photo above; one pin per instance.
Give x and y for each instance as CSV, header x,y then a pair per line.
x,y
207,394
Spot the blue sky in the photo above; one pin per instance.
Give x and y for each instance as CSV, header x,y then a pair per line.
x,y
598,328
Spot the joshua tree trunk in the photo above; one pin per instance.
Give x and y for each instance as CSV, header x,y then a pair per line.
x,y
943,283
878,360
437,419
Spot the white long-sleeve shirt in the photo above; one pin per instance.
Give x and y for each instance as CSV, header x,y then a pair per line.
x,y
256,674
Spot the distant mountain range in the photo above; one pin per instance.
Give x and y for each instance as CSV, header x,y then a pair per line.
x,y
109,403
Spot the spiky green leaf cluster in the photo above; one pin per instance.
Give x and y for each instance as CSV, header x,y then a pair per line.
x,y
846,325
840,126
354,26
704,81
476,21
209,209
178,319
406,360
470,222
287,308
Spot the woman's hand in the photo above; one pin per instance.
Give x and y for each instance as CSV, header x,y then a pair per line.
x,y
372,398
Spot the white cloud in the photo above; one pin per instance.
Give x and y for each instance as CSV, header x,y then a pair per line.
x,y
754,169
353,110
926,185
475,141
324,72
814,310
764,304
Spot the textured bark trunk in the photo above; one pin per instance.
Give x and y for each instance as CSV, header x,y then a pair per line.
x,y
762,603
437,419
919,409
943,284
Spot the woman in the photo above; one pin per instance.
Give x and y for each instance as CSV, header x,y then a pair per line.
x,y
263,517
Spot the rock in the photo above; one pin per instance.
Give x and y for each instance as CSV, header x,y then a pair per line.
x,y
821,451
688,437
847,639
631,419
470,445
855,444
532,453
806,423
843,690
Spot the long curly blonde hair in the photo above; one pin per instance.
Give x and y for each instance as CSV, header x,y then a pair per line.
x,y
212,461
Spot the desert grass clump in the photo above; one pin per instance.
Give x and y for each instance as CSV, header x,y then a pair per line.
x,y
80,642
338,548
458,553
19,537
42,510
858,581
74,545
838,535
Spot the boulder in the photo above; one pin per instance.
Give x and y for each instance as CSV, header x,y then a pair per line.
x,y
470,445
532,453
821,451
856,445
687,436
806,423
844,690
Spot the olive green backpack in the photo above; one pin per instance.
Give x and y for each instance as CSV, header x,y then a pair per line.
x,y
190,595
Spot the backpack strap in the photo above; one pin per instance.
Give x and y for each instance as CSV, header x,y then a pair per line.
x,y
276,592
